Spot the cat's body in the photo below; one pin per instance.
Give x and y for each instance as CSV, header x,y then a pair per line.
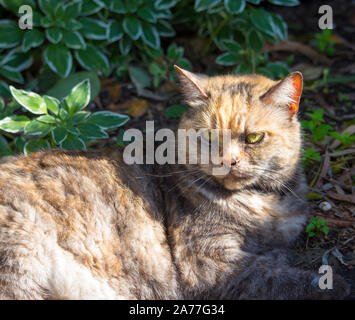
x,y
88,226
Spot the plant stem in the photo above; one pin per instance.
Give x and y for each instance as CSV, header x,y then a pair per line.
x,y
215,33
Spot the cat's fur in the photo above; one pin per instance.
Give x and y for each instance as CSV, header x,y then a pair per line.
x,y
79,225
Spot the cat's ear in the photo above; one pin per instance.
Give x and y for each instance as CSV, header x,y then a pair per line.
x,y
192,84
286,93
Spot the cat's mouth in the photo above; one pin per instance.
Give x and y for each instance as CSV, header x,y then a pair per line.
x,y
241,175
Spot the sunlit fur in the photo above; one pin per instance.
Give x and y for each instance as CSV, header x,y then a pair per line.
x,y
85,225
234,102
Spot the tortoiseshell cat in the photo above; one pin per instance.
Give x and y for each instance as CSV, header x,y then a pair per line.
x,y
79,225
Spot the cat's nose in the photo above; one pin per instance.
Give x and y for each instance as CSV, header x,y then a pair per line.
x,y
231,161
234,161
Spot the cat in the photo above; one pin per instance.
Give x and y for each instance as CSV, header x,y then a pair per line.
x,y
86,225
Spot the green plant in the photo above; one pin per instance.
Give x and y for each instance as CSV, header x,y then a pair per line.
x,y
61,32
64,124
346,138
325,41
316,227
317,129
162,67
310,154
126,37
238,28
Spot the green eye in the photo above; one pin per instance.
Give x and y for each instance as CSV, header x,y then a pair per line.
x,y
254,137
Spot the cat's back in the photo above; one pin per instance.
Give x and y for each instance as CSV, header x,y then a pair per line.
x,y
87,214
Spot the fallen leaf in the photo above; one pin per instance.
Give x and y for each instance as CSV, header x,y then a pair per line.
x,y
135,108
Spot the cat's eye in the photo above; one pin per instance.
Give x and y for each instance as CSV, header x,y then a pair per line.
x,y
209,135
254,137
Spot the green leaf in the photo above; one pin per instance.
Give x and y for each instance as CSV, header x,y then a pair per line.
x,y
52,104
54,35
150,35
263,21
59,134
278,69
89,7
231,45
125,45
227,59
32,39
254,1
36,145
13,5
234,6
74,40
132,6
29,100
139,77
114,31
92,59
14,124
108,119
59,59
132,27
73,142
4,89
5,150
201,5
118,7
71,25
175,111
46,119
64,86
10,34
255,41
16,60
14,76
165,4
92,131
37,128
72,9
20,143
71,129
287,3
79,117
279,26
48,7
165,29
174,52
59,13
147,14
46,22
79,97
184,63
93,29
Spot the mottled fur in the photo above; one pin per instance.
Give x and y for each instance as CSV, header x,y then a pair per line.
x,y
87,226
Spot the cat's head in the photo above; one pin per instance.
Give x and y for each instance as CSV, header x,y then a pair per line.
x,y
261,114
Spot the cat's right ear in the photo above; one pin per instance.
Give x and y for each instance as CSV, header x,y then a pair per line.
x,y
192,85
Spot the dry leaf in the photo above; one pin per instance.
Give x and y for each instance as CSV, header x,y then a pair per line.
x,y
135,108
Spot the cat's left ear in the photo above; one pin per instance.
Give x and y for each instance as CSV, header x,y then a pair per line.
x,y
286,93
192,84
